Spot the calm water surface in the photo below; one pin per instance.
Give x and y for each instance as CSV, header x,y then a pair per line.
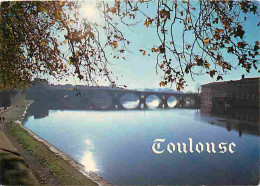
x,y
117,146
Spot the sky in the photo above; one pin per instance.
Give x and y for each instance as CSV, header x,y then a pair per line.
x,y
139,71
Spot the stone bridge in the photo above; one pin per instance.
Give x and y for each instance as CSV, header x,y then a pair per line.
x,y
110,99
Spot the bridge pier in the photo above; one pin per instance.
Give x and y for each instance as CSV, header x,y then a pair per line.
x,y
142,101
116,104
163,102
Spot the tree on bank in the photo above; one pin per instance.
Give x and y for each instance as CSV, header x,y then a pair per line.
x,y
52,38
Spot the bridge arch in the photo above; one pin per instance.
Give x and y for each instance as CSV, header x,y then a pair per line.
x,y
129,101
153,101
172,101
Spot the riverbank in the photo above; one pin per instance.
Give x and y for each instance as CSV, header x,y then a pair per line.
x,y
13,170
48,166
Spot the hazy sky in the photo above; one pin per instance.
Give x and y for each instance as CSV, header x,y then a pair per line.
x,y
138,71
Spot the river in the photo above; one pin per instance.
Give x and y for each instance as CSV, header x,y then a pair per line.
x,y
117,145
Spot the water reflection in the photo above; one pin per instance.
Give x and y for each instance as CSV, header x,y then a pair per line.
x,y
88,158
89,144
89,162
172,101
152,101
243,120
129,101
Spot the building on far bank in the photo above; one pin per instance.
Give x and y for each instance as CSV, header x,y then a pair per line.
x,y
220,97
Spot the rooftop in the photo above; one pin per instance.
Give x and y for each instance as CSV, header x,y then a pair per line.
x,y
232,81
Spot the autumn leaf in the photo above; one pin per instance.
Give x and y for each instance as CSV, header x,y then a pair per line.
x,y
80,77
162,65
153,49
230,49
188,47
162,49
114,44
212,73
148,22
187,69
206,41
117,37
132,16
239,32
207,65
199,61
162,84
241,44
228,67
113,10
218,31
143,51
135,9
189,19
219,77
43,43
165,14
256,47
